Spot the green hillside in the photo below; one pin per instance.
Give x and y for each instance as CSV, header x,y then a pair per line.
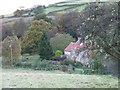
x,y
77,5
66,6
76,2
70,5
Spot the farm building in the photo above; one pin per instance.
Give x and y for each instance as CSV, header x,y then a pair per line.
x,y
72,52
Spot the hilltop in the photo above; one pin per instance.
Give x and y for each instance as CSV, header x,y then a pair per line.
x,y
66,6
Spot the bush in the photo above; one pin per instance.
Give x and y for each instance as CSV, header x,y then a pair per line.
x,y
39,64
25,57
45,65
58,53
24,64
78,65
68,62
64,68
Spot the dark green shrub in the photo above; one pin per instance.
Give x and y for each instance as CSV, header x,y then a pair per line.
x,y
78,65
45,65
68,62
55,67
23,64
40,64
25,57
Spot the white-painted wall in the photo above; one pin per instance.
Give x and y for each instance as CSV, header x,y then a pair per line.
x,y
67,53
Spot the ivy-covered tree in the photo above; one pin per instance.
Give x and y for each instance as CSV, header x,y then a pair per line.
x,y
11,50
44,49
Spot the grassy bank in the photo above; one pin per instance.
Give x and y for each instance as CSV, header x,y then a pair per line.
x,y
27,78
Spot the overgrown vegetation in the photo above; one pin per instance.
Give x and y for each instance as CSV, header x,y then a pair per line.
x,y
99,23
96,24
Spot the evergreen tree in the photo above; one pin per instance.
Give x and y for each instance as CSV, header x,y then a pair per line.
x,y
44,49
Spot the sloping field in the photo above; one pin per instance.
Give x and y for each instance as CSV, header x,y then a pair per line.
x,y
24,78
73,5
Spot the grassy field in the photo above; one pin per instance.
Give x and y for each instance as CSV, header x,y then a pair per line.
x,y
76,2
68,6
53,9
27,78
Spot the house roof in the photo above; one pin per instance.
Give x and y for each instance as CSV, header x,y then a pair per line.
x,y
70,46
74,46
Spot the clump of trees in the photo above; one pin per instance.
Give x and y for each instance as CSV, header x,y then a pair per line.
x,y
19,13
11,50
42,16
17,27
68,23
60,41
30,41
31,37
20,27
40,25
6,30
36,10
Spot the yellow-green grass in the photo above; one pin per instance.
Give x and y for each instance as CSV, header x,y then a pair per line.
x,y
27,78
53,9
67,5
75,2
78,9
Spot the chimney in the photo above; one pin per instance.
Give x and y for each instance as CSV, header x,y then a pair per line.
x,y
79,40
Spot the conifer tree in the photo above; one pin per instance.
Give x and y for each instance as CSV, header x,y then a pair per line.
x,y
44,49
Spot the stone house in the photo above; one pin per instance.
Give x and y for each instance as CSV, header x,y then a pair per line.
x,y
74,52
